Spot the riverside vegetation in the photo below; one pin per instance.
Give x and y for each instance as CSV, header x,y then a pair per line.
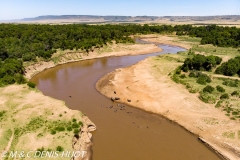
x,y
24,43
212,72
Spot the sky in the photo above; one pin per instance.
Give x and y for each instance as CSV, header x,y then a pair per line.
x,y
18,9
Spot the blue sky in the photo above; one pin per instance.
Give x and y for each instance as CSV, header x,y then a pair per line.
x,y
17,9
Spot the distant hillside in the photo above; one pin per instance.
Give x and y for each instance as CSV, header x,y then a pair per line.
x,y
92,18
224,19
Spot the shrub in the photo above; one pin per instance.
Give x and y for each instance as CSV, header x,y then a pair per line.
x,y
188,86
203,78
207,78
183,76
233,118
192,74
59,148
220,89
7,79
231,83
31,84
2,113
60,129
218,60
80,123
224,96
20,79
235,113
208,89
39,151
205,97
193,90
53,132
175,78
74,120
178,70
201,81
76,131
75,125
69,128
185,69
235,93
219,104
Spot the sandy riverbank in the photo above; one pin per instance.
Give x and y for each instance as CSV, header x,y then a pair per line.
x,y
149,87
107,51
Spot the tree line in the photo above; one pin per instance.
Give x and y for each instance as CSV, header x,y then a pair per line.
x,y
27,42
213,34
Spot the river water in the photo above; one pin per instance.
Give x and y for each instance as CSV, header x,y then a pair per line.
x,y
129,134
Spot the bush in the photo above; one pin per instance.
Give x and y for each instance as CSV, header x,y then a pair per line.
x,y
183,76
76,131
178,70
192,74
193,90
208,89
205,97
2,113
188,86
235,113
220,89
69,128
203,78
235,93
231,83
185,69
8,79
40,150
224,96
60,129
74,120
201,81
31,84
53,132
20,79
75,125
80,123
59,149
175,78
219,104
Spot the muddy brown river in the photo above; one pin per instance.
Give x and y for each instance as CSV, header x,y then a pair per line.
x,y
129,134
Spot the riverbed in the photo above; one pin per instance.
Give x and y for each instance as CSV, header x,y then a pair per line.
x,y
122,132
